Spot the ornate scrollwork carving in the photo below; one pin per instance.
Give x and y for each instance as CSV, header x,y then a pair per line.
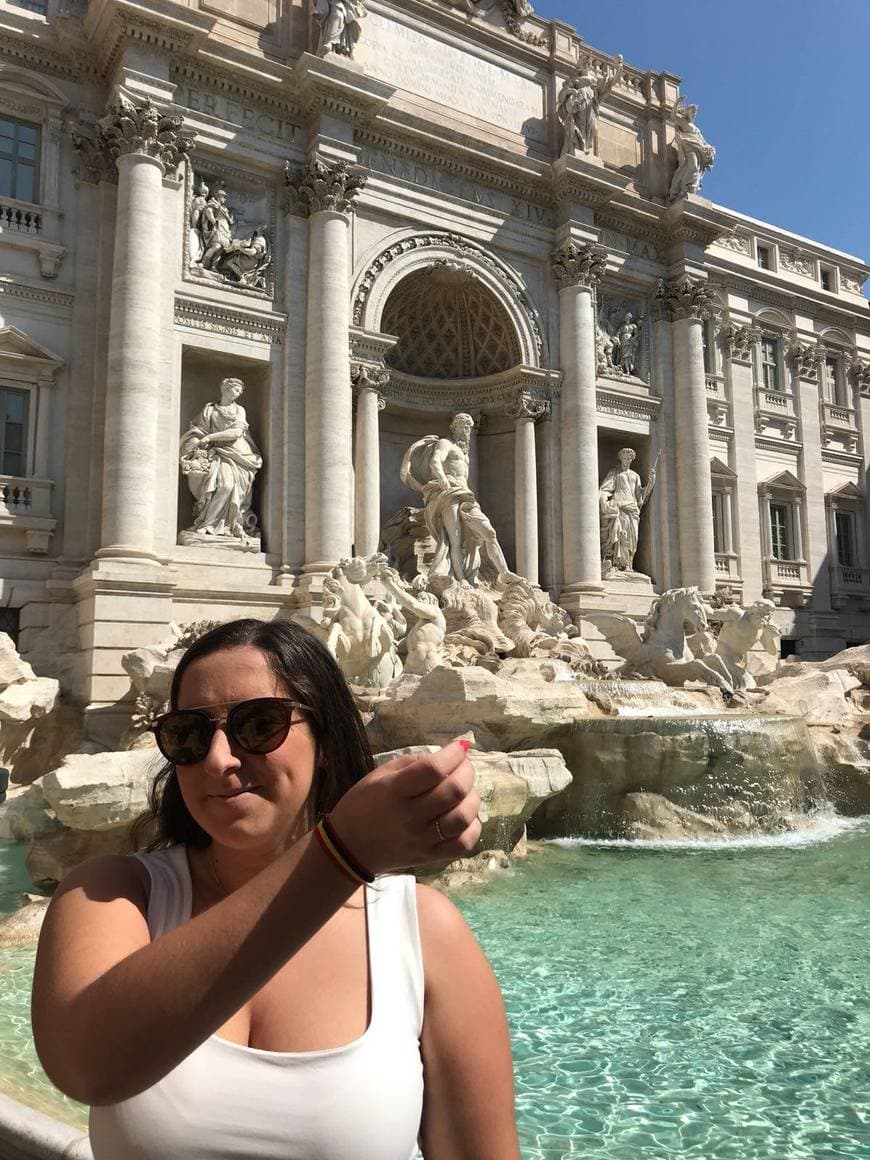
x,y
321,185
93,163
579,264
687,298
805,357
860,373
129,128
739,341
526,406
369,376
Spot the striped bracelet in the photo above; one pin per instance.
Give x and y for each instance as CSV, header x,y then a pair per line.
x,y
329,841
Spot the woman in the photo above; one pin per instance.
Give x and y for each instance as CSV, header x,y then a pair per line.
x,y
242,990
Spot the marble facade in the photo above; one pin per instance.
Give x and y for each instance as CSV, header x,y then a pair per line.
x,y
404,232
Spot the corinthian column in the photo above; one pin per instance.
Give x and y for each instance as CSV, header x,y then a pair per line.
x,y
578,267
144,145
367,465
525,411
325,192
691,303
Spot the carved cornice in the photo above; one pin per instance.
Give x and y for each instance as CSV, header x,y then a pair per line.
x,y
687,298
609,402
144,130
111,24
52,298
526,406
579,264
197,314
493,393
738,341
322,186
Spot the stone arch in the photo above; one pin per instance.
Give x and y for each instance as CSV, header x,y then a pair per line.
x,y
413,253
769,316
835,336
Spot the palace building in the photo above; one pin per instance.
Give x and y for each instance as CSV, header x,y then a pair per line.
x,y
375,215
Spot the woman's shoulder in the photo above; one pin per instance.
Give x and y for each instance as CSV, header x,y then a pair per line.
x,y
110,876
439,918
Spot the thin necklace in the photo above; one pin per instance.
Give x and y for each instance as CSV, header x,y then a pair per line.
x,y
215,874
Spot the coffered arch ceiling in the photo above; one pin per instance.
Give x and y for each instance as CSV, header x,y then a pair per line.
x,y
450,325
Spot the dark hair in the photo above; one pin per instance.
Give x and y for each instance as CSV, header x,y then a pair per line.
x,y
308,670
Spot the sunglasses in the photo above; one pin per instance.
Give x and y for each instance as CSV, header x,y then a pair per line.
x,y
184,736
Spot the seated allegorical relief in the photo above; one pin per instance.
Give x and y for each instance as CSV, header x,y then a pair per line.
x,y
220,460
215,253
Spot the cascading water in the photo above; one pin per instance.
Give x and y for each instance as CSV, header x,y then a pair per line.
x,y
737,773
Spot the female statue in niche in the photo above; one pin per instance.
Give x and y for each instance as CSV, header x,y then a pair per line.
x,y
220,460
622,497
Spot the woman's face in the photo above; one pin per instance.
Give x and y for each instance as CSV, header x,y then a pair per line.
x,y
272,810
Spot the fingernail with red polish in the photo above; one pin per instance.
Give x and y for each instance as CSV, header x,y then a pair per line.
x,y
465,744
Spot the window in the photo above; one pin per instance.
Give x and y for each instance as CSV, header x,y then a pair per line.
x,y
19,160
39,6
9,623
844,527
826,278
720,523
834,386
780,531
770,363
13,431
764,258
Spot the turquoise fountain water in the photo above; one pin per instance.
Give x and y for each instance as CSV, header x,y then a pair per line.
x,y
691,1001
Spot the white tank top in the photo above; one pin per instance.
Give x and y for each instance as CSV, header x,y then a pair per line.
x,y
226,1101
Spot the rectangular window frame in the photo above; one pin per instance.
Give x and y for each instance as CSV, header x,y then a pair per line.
x,y
781,532
770,365
849,557
27,433
19,164
764,257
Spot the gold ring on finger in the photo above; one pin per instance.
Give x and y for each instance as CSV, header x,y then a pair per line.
x,y
441,837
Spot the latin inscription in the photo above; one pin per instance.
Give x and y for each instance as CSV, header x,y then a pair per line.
x,y
441,181
637,247
235,113
411,60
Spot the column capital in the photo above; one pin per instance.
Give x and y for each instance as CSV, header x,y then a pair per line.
x,y
93,162
805,357
687,297
323,185
526,406
579,264
368,376
143,130
739,341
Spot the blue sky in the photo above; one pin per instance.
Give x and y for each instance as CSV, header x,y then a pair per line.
x,y
782,92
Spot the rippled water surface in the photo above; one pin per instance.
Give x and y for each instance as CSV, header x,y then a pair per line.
x,y
664,1002
674,1002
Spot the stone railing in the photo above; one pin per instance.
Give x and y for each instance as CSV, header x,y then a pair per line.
x,y
849,584
727,567
25,504
33,227
840,418
25,497
15,215
786,581
777,404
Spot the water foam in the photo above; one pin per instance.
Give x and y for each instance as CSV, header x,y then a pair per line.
x,y
810,830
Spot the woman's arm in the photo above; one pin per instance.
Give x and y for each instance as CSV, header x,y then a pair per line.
x,y
114,1012
468,1100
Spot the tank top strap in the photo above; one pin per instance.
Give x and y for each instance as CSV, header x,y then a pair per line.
x,y
171,899
395,952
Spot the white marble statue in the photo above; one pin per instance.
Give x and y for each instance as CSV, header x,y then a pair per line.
x,y
465,539
540,628
694,155
621,499
356,633
605,344
425,640
220,460
628,342
338,24
660,649
198,203
215,253
578,107
741,630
